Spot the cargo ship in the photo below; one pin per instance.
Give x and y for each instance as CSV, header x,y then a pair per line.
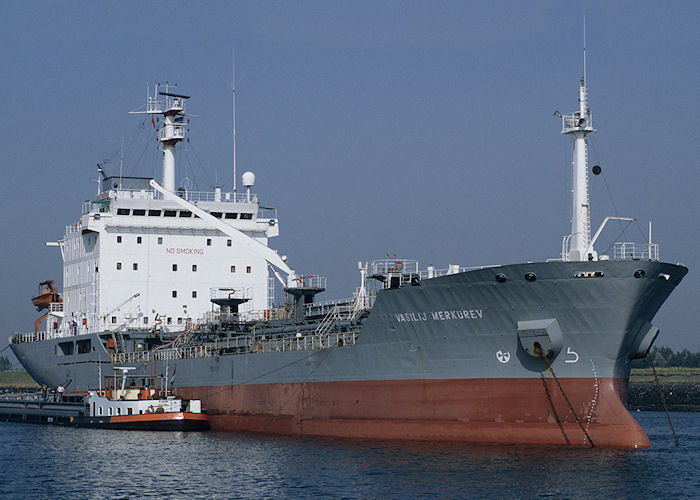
x,y
181,285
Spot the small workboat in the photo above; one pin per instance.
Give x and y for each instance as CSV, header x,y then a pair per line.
x,y
140,406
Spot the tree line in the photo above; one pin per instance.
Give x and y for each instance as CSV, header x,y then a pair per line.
x,y
665,357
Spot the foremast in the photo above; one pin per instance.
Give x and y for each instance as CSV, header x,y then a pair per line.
x,y
577,125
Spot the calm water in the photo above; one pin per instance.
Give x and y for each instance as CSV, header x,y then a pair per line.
x,y
57,462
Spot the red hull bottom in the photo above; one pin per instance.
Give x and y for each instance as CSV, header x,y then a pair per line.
x,y
517,411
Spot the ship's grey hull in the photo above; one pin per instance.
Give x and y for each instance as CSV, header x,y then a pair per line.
x,y
458,330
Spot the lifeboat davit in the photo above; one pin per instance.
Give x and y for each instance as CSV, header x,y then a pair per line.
x,y
46,295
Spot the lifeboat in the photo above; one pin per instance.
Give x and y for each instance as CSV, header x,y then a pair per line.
x,y
46,295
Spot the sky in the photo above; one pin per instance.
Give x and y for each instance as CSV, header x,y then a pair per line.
x,y
417,128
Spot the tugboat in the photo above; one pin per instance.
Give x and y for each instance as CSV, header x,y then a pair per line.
x,y
140,407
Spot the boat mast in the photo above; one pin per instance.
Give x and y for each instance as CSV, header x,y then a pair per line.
x,y
578,125
172,108
233,89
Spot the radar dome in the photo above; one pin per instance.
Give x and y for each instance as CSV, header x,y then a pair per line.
x,y
248,178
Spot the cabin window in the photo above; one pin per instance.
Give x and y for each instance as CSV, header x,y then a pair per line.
x,y
231,215
135,266
194,294
160,240
139,240
83,346
169,213
123,211
170,321
174,293
248,269
119,239
119,411
228,243
194,268
140,211
100,410
109,411
208,242
185,213
233,269
64,349
119,266
114,319
218,215
154,213
174,267
246,216
179,321
145,320
97,269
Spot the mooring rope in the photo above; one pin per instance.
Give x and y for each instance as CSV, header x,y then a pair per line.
x,y
540,353
663,399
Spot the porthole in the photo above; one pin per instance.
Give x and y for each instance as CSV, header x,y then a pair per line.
x,y
501,278
530,276
639,273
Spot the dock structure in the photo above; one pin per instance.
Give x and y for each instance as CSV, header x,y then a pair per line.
x,y
31,408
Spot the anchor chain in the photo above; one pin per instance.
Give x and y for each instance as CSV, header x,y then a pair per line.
x,y
663,399
540,353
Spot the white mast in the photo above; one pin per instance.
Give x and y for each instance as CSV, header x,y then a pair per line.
x,y
233,90
172,107
578,125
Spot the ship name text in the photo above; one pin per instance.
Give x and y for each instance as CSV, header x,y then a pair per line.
x,y
456,314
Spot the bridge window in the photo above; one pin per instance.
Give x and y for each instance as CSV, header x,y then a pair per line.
x,y
169,213
139,211
246,216
217,214
123,211
185,213
154,213
231,215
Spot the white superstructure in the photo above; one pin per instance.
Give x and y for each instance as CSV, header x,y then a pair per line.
x,y
144,255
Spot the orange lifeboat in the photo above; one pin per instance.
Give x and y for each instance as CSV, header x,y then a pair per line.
x,y
46,296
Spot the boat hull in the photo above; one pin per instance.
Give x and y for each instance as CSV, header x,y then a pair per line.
x,y
519,411
446,359
176,421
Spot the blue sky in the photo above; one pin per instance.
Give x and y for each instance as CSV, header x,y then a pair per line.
x,y
423,129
